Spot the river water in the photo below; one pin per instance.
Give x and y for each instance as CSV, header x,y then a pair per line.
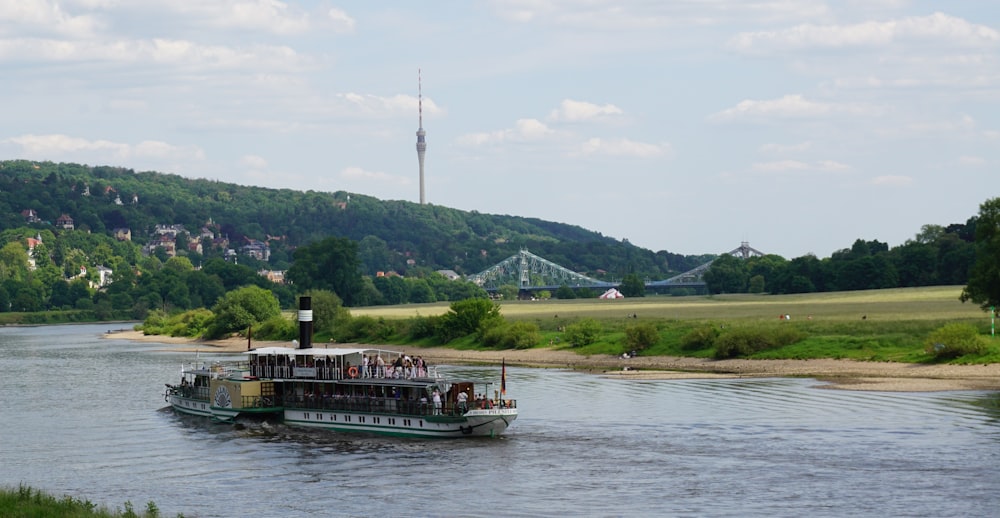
x,y
84,416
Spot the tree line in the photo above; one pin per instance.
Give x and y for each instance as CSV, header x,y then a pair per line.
x,y
937,255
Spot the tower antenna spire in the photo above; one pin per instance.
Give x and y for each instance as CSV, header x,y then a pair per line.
x,y
421,143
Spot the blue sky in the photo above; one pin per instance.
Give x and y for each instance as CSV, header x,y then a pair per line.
x,y
687,126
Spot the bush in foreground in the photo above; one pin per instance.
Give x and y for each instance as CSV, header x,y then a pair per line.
x,y
517,335
584,332
26,501
955,340
746,341
641,336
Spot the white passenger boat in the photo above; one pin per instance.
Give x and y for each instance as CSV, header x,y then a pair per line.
x,y
344,389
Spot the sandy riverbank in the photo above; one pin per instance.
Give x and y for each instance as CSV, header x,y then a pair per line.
x,y
841,374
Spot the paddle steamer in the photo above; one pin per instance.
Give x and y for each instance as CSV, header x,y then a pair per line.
x,y
343,389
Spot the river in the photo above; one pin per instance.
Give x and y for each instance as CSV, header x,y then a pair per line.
x,y
85,416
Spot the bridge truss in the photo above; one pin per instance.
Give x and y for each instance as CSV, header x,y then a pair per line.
x,y
529,271
693,277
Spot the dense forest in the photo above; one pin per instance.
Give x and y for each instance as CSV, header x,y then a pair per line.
x,y
119,243
392,235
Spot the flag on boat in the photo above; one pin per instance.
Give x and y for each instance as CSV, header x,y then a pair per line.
x,y
503,376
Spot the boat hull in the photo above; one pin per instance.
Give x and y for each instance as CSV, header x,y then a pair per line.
x,y
475,423
190,406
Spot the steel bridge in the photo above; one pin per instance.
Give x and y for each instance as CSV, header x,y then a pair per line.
x,y
530,272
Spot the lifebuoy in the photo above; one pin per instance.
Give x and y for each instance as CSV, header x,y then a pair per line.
x,y
352,371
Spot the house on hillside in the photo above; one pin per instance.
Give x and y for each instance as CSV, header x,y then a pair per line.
x,y
123,234
30,216
451,275
32,243
164,241
65,222
103,276
259,250
275,276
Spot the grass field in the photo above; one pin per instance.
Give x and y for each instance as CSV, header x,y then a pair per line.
x,y
876,325
933,303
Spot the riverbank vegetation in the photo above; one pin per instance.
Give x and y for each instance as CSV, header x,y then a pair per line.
x,y
914,325
29,502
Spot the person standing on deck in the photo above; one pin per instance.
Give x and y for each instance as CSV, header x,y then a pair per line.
x,y
436,399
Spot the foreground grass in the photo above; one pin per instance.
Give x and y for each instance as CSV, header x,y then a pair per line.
x,y
28,502
876,325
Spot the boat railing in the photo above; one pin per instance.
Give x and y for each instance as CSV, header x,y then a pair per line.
x,y
188,391
329,373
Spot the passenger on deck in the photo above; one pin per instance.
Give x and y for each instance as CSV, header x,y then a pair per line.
x,y
436,398
463,402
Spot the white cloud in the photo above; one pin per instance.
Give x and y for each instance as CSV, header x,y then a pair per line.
x,y
892,180
253,162
613,15
624,147
971,161
524,130
341,21
43,16
257,15
782,166
57,146
579,111
939,28
791,106
394,105
180,53
781,149
357,173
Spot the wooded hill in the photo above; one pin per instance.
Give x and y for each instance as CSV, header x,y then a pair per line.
x,y
394,236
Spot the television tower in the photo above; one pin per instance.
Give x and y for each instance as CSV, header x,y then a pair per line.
x,y
421,144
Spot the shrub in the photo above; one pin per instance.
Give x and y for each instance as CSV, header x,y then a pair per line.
x,y
364,329
584,332
519,335
699,338
466,317
746,341
277,328
954,340
641,336
423,327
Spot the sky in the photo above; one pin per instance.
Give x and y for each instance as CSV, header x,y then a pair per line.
x,y
689,126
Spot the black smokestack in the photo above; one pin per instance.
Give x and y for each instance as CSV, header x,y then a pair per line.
x,y
305,322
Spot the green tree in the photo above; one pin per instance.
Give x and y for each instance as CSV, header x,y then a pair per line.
x,y
565,292
331,264
641,336
728,274
13,262
632,286
240,309
420,291
468,316
508,292
583,332
393,289
984,280
328,310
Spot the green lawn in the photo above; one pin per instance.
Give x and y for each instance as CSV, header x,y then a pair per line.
x,y
878,325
